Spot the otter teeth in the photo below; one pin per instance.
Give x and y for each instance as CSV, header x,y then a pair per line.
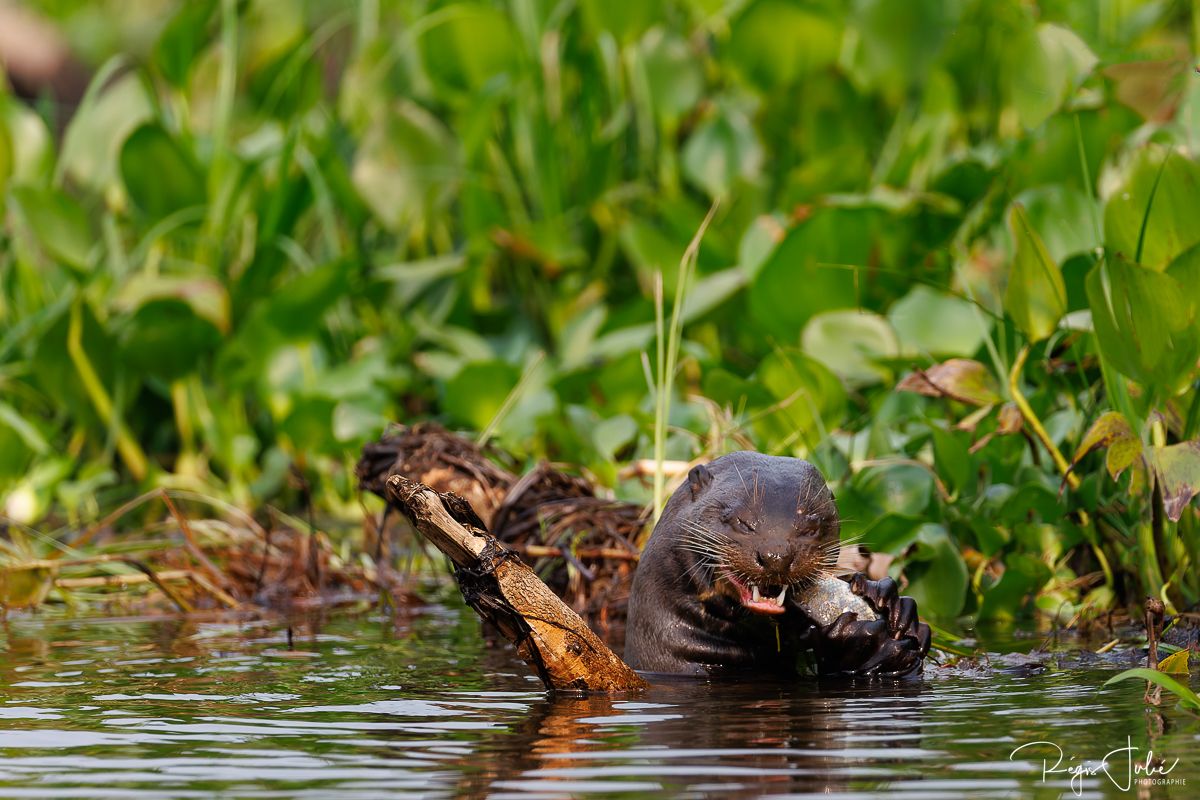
x,y
756,595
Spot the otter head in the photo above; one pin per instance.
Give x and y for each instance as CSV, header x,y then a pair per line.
x,y
759,527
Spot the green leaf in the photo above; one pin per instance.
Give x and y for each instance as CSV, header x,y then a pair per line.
x,y
937,575
1111,430
776,42
1064,217
183,38
929,322
952,458
1178,469
1036,297
1145,323
60,224
674,72
1047,64
406,167
469,45
624,21
161,176
29,144
898,43
166,338
903,488
1024,575
851,344
808,273
723,149
1186,696
611,434
93,141
1169,221
25,587
207,297
809,400
476,393
1176,663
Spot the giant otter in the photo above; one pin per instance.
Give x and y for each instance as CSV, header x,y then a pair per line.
x,y
714,591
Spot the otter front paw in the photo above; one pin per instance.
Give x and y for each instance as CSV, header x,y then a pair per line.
x,y
892,645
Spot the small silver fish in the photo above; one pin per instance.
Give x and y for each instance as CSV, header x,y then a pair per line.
x,y
829,598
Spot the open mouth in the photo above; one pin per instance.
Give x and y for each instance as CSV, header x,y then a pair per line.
x,y
759,599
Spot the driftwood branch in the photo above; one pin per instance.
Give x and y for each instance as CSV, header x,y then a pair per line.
x,y
551,637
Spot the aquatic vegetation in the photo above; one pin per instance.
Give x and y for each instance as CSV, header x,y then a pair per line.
x,y
953,262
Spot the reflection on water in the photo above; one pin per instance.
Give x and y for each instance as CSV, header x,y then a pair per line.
x,y
375,707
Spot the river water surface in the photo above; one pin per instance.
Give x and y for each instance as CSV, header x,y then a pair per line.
x,y
370,706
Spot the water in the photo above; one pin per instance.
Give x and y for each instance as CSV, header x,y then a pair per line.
x,y
376,707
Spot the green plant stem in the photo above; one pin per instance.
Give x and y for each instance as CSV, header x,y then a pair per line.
x,y
127,446
1035,424
667,353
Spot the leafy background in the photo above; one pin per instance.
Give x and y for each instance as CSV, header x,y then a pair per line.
x,y
953,260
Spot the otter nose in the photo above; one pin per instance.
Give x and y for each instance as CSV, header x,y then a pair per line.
x,y
774,560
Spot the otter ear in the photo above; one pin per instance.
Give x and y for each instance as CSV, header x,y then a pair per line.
x,y
698,479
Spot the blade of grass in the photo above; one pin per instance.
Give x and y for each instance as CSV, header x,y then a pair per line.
x,y
667,352
1186,696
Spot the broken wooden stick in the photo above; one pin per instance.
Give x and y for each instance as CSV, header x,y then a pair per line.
x,y
548,635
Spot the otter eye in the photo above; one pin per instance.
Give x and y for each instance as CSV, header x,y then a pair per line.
x,y
745,526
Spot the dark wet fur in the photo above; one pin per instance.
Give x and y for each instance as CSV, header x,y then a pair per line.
x,y
770,521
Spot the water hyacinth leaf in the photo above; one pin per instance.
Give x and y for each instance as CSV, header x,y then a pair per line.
x,y
1024,574
899,488
1186,271
927,321
811,270
1145,323
25,586
166,338
1064,217
60,225
937,575
183,38
961,379
468,45
624,21
904,39
809,400
1173,181
1186,696
406,166
207,297
1036,297
30,146
1048,63
776,42
952,457
91,147
851,344
673,71
474,396
1176,663
160,175
1111,430
614,433
1177,468
723,149
296,308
